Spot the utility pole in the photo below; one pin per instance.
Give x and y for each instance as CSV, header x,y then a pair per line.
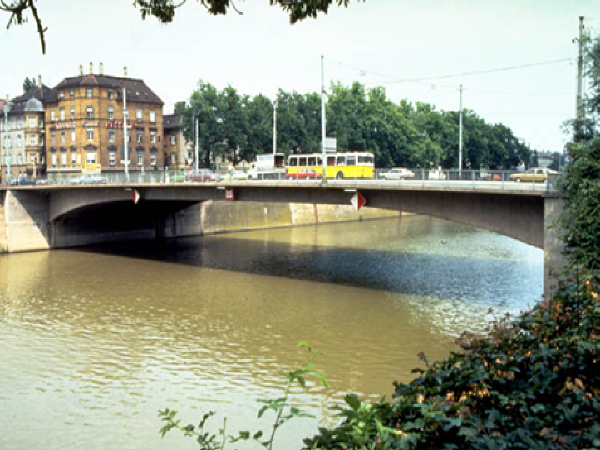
x,y
125,135
274,127
323,121
196,148
579,110
460,128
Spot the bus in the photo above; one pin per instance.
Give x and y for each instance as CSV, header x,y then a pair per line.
x,y
340,165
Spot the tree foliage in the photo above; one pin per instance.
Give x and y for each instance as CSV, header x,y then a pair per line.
x,y
28,84
164,10
403,134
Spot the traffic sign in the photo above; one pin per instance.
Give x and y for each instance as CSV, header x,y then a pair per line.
x,y
135,196
358,201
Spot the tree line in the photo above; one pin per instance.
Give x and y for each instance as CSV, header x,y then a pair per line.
x,y
239,127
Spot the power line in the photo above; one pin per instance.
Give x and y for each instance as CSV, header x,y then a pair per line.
x,y
394,79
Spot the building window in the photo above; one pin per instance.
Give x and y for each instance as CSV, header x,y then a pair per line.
x,y
61,94
53,159
73,137
32,140
139,135
111,135
88,93
73,158
90,134
53,115
152,116
41,140
72,113
40,122
138,115
112,158
173,158
63,158
125,114
72,93
172,139
89,112
90,158
33,159
32,122
62,113
111,93
152,137
140,157
53,137
111,113
153,159
19,141
63,137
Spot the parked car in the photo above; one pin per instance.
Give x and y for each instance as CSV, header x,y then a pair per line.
x,y
237,175
22,181
304,174
177,177
88,178
42,181
535,174
398,173
203,175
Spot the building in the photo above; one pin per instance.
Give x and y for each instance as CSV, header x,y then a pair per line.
x,y
22,132
178,152
85,126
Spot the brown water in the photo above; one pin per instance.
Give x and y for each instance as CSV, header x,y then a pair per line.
x,y
94,341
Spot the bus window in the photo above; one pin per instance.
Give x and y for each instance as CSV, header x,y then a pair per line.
x,y
312,161
365,159
331,161
351,160
341,161
293,161
319,161
302,161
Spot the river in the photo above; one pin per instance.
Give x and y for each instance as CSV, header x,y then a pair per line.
x,y
94,341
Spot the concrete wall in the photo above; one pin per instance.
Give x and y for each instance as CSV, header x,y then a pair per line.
x,y
25,221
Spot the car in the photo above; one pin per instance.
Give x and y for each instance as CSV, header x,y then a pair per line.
x,y
22,181
203,175
304,174
237,175
534,174
398,173
88,178
177,177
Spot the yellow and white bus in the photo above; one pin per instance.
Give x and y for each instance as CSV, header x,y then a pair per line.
x,y
339,165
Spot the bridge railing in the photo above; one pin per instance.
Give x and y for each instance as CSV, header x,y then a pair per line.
x,y
472,179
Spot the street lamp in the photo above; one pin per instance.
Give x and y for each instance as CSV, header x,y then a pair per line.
x,y
275,126
7,108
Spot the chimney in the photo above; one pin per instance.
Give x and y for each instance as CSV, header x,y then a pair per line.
x,y
80,69
39,81
91,68
101,68
125,71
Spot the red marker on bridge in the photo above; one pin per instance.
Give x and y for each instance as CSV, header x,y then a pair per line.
x,y
358,201
135,196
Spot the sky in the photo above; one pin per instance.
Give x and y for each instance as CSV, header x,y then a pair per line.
x,y
387,43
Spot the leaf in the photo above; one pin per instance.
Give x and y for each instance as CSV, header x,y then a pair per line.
x,y
353,401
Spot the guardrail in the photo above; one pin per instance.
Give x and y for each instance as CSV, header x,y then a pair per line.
x,y
475,179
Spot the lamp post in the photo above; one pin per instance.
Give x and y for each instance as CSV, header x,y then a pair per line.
x,y
7,108
274,126
125,133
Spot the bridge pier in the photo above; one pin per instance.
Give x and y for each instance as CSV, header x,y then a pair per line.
x,y
555,260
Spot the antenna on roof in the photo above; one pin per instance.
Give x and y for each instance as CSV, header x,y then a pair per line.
x,y
80,69
91,68
125,71
101,68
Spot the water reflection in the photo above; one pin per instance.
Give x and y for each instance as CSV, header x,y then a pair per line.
x,y
95,341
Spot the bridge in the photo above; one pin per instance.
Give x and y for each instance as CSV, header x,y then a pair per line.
x,y
52,216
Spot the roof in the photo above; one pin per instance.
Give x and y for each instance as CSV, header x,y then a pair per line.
x,y
40,93
137,90
172,121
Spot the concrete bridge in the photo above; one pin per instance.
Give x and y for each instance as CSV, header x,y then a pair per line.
x,y
54,216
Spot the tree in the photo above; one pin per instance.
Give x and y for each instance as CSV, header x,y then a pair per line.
x,y
164,10
28,84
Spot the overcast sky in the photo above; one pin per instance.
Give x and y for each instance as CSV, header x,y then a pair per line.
x,y
376,42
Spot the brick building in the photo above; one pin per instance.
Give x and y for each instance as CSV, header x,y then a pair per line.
x,y
85,126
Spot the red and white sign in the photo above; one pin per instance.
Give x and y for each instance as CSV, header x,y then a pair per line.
x,y
229,193
135,196
358,201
